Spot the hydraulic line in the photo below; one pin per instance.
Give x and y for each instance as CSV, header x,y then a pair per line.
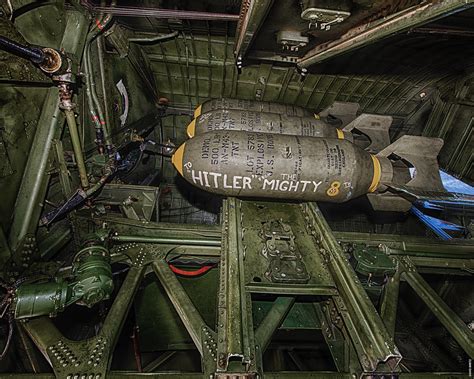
x,y
100,53
99,130
102,131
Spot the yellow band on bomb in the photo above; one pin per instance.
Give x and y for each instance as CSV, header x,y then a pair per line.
x,y
377,174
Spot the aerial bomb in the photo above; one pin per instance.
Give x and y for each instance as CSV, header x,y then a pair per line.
x,y
375,127
251,121
250,164
280,166
251,105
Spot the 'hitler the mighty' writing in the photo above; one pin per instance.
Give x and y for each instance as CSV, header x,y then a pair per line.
x,y
224,181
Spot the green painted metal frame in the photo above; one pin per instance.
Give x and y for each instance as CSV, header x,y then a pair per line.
x,y
372,32
33,187
252,16
373,343
92,356
359,339
452,322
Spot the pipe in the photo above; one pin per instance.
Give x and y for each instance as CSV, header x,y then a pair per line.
x,y
95,99
99,133
100,53
159,38
76,145
166,241
34,54
159,13
102,133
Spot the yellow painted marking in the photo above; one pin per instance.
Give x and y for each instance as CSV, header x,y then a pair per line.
x,y
377,174
177,159
333,189
197,111
316,116
340,134
191,129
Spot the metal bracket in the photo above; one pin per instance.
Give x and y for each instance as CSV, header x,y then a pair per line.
x,y
286,263
92,357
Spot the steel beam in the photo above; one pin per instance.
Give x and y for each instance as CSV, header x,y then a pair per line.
x,y
395,244
152,229
270,375
235,326
388,309
35,179
453,263
291,289
252,16
91,356
337,338
155,363
272,321
186,310
371,339
451,321
308,375
32,191
373,31
167,241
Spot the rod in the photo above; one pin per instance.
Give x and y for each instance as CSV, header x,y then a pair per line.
x,y
34,54
76,145
100,54
158,38
160,13
170,241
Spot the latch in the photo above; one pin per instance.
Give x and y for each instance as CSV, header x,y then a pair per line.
x,y
286,263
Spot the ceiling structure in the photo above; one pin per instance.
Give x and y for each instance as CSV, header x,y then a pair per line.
x,y
117,267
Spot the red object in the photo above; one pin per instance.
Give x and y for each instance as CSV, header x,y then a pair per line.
x,y
99,25
197,272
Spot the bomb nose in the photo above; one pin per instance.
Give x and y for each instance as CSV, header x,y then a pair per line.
x,y
191,129
177,158
197,111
